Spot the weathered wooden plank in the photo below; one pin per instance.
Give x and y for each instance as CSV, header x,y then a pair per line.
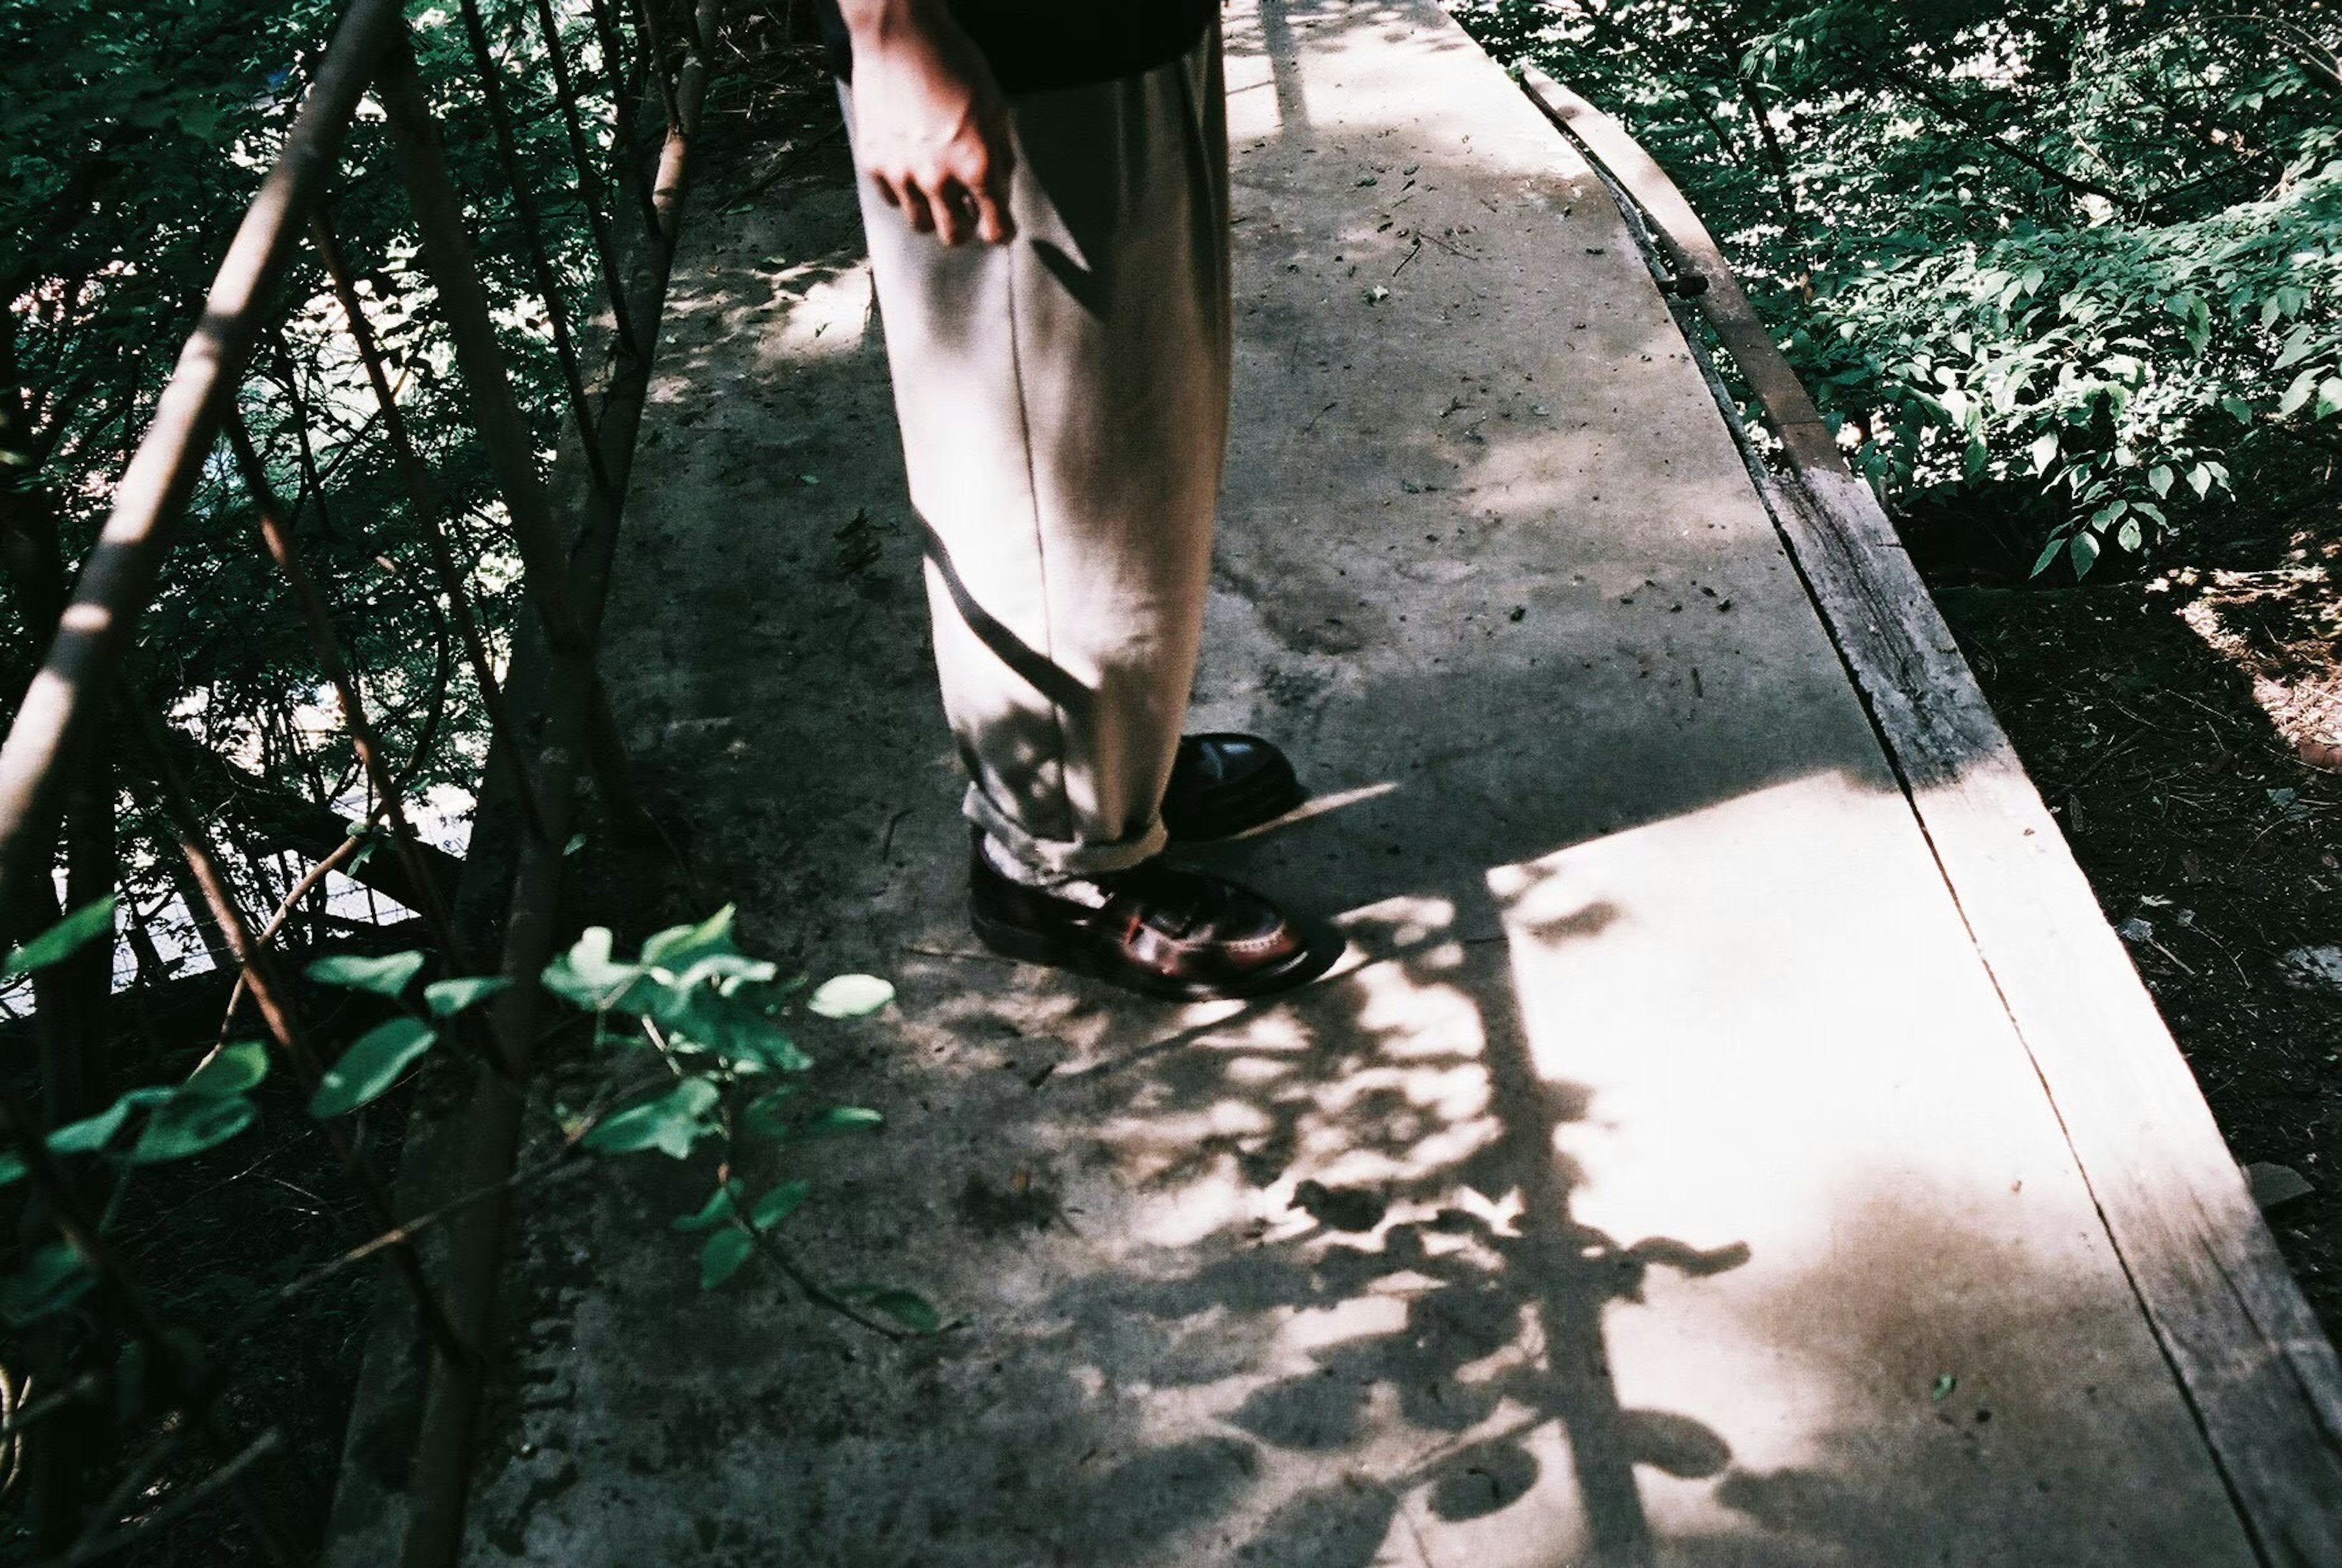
x,y
2261,1376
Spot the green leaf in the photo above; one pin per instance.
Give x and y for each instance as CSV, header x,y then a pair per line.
x,y
91,1133
720,1207
675,948
850,996
906,1307
2238,409
52,1280
2083,551
671,1123
2298,393
66,938
2045,451
722,1256
388,975
588,976
2110,512
190,1123
2048,553
2297,345
779,1203
371,1066
767,1116
232,1070
759,1039
2160,479
2199,480
843,1119
2128,535
445,998
2329,397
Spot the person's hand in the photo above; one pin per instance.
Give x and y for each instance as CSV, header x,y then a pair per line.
x,y
930,125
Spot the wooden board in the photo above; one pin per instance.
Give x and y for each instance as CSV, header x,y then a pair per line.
x,y
2258,1370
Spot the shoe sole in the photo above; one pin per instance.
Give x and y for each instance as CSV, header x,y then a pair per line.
x,y
1313,961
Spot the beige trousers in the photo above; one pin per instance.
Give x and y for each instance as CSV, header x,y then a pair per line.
x,y
1064,407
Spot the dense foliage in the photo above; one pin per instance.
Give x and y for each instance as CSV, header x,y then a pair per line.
x,y
2069,265
131,139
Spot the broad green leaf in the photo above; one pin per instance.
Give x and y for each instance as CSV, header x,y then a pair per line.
x,y
843,1119
2238,409
906,1307
2045,451
232,1070
2049,553
2160,478
587,976
52,1280
671,1122
758,1038
445,998
850,996
371,1066
722,1256
66,938
2329,397
675,948
767,1116
191,1123
2199,480
2110,512
388,975
2297,345
2128,537
91,1133
720,1207
779,1203
2083,551
2298,393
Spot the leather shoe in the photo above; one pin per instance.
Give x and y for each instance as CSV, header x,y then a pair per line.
x,y
1222,785
1157,929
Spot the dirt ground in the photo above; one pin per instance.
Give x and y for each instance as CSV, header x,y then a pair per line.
x,y
2171,722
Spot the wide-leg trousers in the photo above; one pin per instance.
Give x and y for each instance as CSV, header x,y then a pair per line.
x,y
1063,401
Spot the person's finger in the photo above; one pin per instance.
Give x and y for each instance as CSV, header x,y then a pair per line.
x,y
950,201
993,223
887,190
914,207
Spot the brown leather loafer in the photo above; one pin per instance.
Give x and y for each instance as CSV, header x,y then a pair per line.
x,y
1157,929
1222,785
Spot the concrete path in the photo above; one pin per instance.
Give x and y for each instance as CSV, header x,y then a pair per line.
x,y
1659,1180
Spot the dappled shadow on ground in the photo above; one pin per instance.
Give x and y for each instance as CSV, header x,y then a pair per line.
x,y
1655,1183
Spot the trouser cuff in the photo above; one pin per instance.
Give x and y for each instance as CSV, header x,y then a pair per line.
x,y
1054,860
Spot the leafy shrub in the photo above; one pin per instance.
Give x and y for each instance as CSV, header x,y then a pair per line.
x,y
2061,244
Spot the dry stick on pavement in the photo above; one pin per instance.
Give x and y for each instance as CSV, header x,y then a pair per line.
x,y
532,236
268,995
